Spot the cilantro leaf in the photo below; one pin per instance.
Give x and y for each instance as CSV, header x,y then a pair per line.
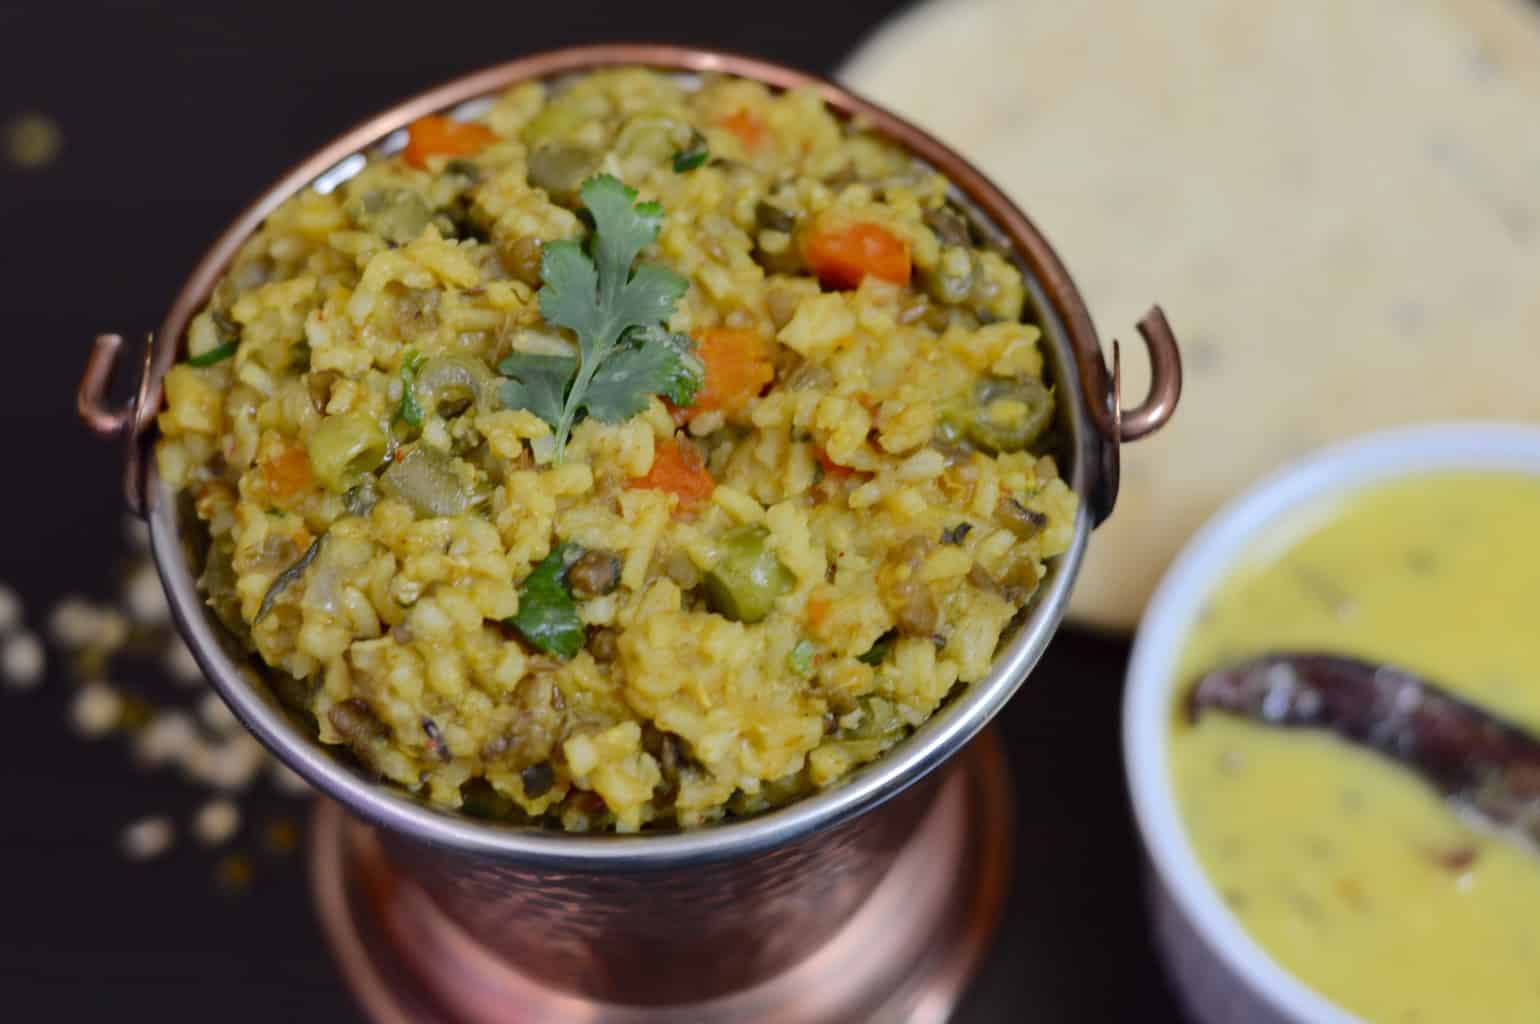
x,y
217,354
548,615
651,361
617,313
539,384
692,156
410,411
568,298
649,297
622,229
878,653
229,334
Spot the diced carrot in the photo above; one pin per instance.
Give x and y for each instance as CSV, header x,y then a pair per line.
x,y
747,125
287,473
841,256
678,469
817,609
738,366
832,470
444,136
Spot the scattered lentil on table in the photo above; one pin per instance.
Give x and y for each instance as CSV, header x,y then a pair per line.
x,y
201,739
216,822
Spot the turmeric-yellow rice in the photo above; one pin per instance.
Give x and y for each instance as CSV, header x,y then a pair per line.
x,y
714,599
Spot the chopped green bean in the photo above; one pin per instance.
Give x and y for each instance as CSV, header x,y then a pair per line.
x,y
747,577
447,385
344,448
425,479
1007,415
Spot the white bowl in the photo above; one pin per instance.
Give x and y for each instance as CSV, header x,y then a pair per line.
x,y
1223,975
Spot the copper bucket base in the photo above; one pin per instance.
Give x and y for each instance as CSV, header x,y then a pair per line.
x,y
906,956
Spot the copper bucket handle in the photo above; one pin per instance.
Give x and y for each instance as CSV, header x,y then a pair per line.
x,y
123,422
1116,424
1165,382
91,399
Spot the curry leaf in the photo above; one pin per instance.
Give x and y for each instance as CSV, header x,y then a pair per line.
x,y
548,614
286,579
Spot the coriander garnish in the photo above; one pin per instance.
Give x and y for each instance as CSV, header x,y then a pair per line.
x,y
878,652
217,354
410,412
692,155
625,353
229,333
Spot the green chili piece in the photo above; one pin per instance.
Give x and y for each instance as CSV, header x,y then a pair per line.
x,y
217,354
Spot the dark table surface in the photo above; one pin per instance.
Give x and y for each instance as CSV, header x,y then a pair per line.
x,y
173,115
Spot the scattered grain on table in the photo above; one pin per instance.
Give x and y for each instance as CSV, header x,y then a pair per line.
x,y
96,710
216,822
217,716
22,660
179,661
159,704
169,738
33,140
76,624
230,765
10,609
147,838
143,594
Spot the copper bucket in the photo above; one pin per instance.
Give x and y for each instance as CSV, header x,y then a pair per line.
x,y
870,900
